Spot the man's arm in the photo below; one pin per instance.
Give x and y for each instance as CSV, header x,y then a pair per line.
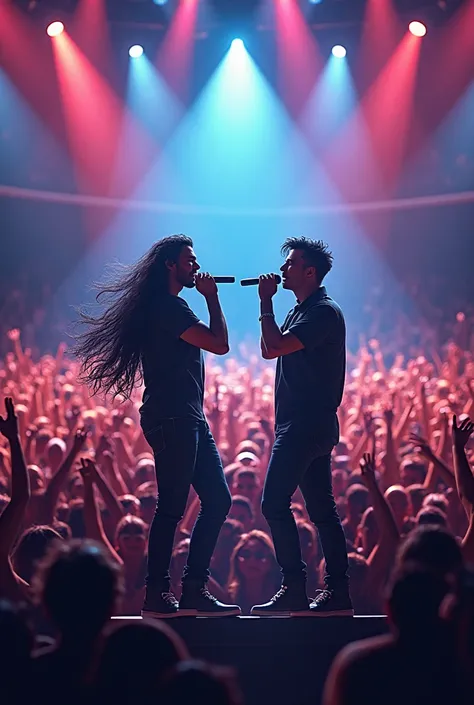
x,y
464,482
383,552
391,475
92,518
273,342
436,463
213,338
50,497
11,586
13,515
310,331
462,470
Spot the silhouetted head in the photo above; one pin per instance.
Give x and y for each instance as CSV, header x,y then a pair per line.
x,y
434,548
31,549
414,602
79,586
200,682
135,659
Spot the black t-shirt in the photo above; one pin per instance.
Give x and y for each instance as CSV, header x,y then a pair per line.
x,y
309,383
173,370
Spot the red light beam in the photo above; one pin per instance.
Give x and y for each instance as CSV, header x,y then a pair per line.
x,y
176,53
299,59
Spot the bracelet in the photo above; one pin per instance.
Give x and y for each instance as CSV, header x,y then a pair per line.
x,y
266,315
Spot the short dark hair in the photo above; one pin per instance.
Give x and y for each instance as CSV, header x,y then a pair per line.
x,y
431,516
242,501
415,596
433,547
316,253
79,585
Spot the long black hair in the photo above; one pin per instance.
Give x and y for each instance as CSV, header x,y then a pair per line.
x,y
110,349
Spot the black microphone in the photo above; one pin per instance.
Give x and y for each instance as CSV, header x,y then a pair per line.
x,y
254,282
224,280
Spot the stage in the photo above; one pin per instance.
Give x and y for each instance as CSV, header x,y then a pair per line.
x,y
280,661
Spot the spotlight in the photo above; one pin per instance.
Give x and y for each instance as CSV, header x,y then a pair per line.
x,y
237,44
160,2
339,51
418,29
315,2
55,29
136,51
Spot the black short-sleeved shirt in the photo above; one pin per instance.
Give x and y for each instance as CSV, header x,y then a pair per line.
x,y
173,370
309,383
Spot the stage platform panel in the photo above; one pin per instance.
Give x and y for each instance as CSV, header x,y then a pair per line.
x,y
279,660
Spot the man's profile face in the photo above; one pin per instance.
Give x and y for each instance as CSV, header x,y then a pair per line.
x,y
294,270
186,267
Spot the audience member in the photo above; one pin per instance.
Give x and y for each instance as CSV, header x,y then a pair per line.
x,y
135,660
79,587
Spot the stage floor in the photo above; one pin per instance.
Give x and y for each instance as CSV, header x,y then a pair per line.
x,y
279,660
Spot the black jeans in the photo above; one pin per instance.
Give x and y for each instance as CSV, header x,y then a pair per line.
x,y
185,454
301,457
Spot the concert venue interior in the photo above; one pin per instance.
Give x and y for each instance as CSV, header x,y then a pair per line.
x,y
241,123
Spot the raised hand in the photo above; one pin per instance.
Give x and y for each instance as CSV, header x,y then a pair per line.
x,y
9,424
72,417
14,334
374,344
205,284
422,445
462,433
267,286
88,470
103,446
367,468
368,423
388,415
79,439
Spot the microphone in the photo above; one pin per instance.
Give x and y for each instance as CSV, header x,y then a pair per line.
x,y
224,280
254,282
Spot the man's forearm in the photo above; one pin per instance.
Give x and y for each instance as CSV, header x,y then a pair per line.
x,y
464,477
217,322
271,334
20,486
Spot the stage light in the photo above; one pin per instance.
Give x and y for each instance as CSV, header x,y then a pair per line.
x,y
55,29
315,2
237,44
339,51
160,2
136,51
418,29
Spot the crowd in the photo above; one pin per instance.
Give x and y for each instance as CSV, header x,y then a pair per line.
x,y
78,493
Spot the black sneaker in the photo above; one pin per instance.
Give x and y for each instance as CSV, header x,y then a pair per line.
x,y
331,603
162,605
198,602
289,601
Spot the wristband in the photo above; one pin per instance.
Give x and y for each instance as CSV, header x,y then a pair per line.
x,y
266,315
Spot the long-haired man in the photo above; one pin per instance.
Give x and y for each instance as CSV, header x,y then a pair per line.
x,y
148,330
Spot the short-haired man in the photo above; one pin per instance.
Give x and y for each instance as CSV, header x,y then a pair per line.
x,y
311,354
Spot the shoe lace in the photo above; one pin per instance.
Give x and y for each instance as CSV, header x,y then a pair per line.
x,y
169,598
322,596
207,595
279,594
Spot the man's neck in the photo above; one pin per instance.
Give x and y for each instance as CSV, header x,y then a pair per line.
x,y
175,287
303,294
